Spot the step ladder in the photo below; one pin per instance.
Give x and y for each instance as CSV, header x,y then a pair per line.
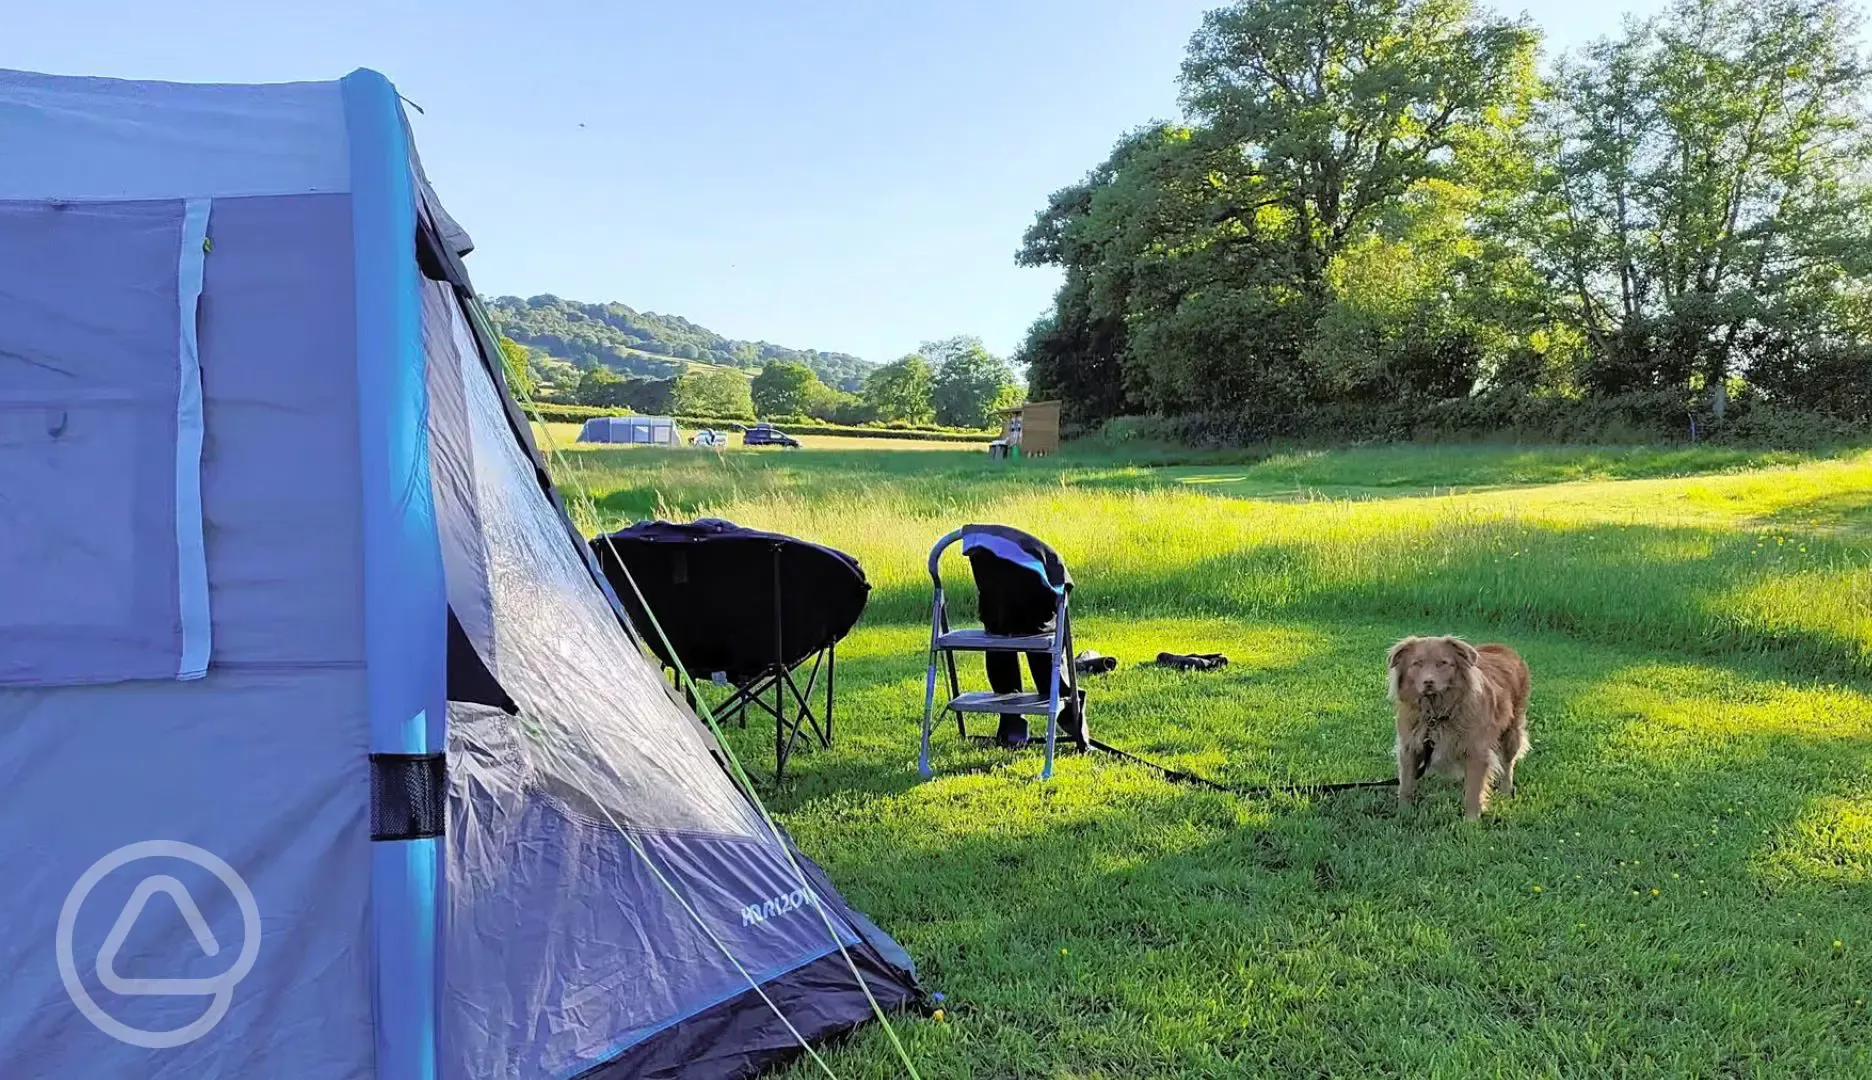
x,y
946,641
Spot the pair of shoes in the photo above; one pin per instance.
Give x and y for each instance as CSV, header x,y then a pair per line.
x,y
1090,662
1192,661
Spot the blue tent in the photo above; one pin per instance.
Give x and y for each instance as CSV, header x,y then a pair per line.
x,y
325,753
658,430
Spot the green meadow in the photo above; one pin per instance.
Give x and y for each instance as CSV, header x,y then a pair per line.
x,y
1683,886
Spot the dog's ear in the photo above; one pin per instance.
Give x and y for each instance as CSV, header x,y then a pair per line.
x,y
1465,650
1396,656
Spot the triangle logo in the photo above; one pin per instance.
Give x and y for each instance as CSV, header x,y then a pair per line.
x,y
120,932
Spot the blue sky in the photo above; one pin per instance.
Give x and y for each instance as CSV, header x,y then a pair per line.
x,y
851,175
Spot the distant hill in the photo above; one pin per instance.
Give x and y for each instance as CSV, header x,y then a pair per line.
x,y
633,342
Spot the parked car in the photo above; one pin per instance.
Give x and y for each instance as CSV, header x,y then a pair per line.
x,y
768,435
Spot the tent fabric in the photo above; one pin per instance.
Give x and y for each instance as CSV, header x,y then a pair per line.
x,y
72,139
556,644
258,767
452,465
446,228
280,457
90,380
387,569
259,762
597,745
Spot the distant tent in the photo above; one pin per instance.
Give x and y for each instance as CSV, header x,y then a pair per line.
x,y
286,593
655,430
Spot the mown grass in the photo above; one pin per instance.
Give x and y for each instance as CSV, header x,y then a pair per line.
x,y
1684,887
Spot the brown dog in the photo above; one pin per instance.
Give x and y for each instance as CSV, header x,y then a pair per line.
x,y
1460,711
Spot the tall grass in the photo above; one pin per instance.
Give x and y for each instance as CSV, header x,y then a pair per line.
x,y
1682,888
1765,561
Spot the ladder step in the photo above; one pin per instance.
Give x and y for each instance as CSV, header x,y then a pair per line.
x,y
984,701
972,640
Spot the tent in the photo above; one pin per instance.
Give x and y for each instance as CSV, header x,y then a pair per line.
x,y
657,430
325,750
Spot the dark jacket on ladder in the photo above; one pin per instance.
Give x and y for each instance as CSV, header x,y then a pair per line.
x,y
1014,600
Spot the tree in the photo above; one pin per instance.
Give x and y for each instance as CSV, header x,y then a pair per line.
x,y
784,388
557,380
714,393
1705,206
515,357
829,403
969,385
1201,259
1429,306
1341,106
899,392
650,396
644,343
601,388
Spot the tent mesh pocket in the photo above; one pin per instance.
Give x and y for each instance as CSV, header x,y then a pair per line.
x,y
409,795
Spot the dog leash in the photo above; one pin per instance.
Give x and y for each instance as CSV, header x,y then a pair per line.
x,y
1179,776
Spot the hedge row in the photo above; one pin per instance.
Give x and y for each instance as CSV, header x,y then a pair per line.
x,y
576,414
1643,417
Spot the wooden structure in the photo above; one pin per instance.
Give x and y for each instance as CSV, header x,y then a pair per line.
x,y
1034,427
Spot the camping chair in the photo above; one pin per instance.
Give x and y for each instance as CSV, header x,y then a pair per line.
x,y
760,612
1053,640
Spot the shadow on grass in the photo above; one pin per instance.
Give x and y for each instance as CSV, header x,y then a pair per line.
x,y
1837,511
1110,924
1699,591
1403,471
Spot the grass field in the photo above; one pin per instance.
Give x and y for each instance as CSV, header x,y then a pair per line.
x,y
565,436
1683,886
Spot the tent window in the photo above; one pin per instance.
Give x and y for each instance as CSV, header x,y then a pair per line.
x,y
103,569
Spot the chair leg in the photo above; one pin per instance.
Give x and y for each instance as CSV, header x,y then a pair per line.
x,y
1071,671
955,690
929,718
779,730
1053,712
929,686
804,698
955,683
1061,669
793,719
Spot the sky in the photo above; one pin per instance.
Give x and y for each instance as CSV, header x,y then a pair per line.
x,y
846,175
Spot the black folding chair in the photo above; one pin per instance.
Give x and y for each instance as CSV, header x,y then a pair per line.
x,y
760,612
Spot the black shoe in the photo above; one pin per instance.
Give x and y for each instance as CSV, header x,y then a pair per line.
x,y
1193,661
1092,663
